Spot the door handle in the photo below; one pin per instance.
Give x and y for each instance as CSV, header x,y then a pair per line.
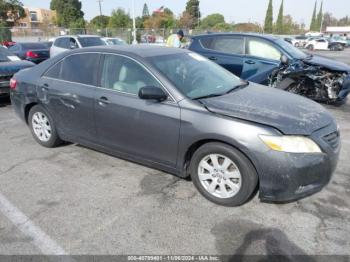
x,y
250,62
45,87
103,101
213,58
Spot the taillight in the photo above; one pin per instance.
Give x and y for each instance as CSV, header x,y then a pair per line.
x,y
31,54
13,83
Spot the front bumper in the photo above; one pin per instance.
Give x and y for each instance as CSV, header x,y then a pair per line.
x,y
286,177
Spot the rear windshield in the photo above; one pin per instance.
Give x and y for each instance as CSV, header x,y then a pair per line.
x,y
34,46
90,41
5,54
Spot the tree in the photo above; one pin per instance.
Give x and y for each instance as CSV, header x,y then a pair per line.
x,y
212,20
11,11
119,19
145,11
313,25
268,28
192,10
329,20
319,18
100,21
68,12
163,19
247,27
279,23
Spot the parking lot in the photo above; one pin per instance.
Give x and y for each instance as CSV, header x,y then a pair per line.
x,y
73,200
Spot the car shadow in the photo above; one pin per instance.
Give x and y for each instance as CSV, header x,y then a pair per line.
x,y
5,101
239,239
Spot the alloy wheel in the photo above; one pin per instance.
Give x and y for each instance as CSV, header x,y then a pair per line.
x,y
219,175
41,126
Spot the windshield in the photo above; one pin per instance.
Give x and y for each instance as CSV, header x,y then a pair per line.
x,y
90,41
115,41
291,50
194,75
6,55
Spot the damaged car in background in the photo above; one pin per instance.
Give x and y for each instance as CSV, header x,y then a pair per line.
x,y
323,84
272,61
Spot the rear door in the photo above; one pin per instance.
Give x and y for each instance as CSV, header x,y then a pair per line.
x,y
68,90
227,51
262,57
125,123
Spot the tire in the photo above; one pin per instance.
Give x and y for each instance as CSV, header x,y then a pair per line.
x,y
231,188
41,122
310,47
297,45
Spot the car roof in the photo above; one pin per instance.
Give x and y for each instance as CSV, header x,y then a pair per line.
x,y
77,36
137,50
267,37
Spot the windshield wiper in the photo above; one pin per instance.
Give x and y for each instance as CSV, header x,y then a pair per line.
x,y
243,84
208,96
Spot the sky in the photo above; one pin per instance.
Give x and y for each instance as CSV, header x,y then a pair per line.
x,y
233,10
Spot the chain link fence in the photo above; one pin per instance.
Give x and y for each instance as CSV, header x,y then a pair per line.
x,y
19,34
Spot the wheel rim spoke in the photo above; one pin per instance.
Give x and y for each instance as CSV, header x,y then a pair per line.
x,y
219,175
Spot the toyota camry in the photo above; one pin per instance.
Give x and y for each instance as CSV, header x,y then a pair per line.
x,y
176,111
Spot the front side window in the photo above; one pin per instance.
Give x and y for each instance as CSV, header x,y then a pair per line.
x,y
62,42
263,49
195,76
125,75
81,68
226,44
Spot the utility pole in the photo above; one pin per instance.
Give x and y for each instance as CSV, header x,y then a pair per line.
x,y
100,5
134,41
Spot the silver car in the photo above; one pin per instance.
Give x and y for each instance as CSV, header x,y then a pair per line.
x,y
69,42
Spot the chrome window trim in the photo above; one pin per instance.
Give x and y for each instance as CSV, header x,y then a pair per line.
x,y
172,99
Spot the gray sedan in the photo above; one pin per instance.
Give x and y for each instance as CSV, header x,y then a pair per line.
x,y
176,111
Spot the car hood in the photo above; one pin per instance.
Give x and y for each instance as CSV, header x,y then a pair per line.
x,y
10,68
289,113
328,63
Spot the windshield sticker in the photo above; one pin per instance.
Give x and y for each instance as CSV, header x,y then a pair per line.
x,y
197,57
13,58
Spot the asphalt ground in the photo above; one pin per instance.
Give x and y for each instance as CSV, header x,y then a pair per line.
x,y
74,200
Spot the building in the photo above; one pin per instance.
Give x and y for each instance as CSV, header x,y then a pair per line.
x,y
338,30
37,18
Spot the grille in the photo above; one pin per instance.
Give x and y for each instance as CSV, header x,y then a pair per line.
x,y
332,139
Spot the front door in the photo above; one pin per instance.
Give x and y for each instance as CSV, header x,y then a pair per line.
x,y
262,57
127,124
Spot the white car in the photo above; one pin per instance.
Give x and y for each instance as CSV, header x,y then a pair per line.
x,y
324,44
114,41
317,44
68,42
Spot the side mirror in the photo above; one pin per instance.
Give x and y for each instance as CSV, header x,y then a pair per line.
x,y
152,93
284,60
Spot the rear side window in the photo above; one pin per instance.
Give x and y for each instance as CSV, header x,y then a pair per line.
x,y
227,44
81,68
55,71
263,49
62,42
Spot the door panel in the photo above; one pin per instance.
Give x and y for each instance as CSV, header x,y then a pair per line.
x,y
146,129
68,89
126,123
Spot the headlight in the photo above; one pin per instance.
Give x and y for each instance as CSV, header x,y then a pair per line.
x,y
291,144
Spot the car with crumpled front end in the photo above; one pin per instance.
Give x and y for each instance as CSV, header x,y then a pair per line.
x,y
254,57
176,111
